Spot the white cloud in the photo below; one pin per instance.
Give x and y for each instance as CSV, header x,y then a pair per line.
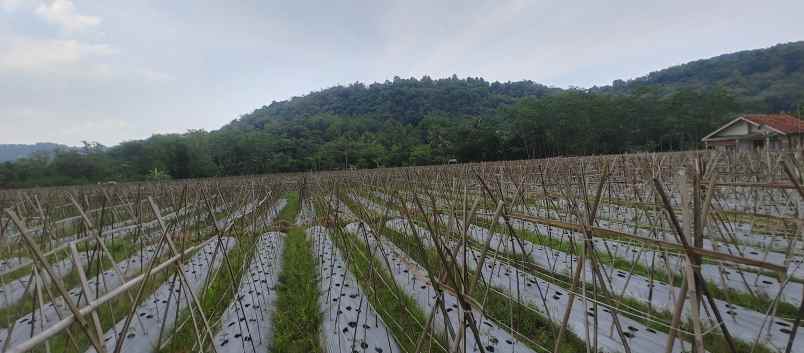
x,y
48,55
57,60
12,5
64,14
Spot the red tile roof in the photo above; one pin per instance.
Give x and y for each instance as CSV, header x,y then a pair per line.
x,y
785,123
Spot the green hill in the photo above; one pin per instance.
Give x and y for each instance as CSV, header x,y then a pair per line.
x,y
407,101
769,80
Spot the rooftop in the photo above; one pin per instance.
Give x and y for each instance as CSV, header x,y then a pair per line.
x,y
784,123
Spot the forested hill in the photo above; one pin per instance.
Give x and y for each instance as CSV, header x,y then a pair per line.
x,y
770,79
430,121
762,80
404,100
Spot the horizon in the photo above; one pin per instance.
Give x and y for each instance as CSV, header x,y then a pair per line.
x,y
90,70
79,144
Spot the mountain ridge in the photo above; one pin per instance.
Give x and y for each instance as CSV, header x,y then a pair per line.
x,y
12,152
770,79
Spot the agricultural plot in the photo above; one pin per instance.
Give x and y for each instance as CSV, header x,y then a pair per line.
x,y
412,277
247,322
349,321
49,313
158,312
548,299
677,252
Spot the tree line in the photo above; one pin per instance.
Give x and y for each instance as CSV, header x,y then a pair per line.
x,y
571,122
430,121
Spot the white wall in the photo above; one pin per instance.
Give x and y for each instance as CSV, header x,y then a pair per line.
x,y
739,128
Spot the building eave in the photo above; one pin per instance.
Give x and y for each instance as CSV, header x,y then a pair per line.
x,y
730,123
723,127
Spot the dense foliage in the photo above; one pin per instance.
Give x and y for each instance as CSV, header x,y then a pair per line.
x,y
426,121
568,123
404,100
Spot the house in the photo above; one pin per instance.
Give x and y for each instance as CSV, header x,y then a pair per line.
x,y
755,131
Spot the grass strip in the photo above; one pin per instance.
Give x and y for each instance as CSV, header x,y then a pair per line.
x,y
287,215
297,321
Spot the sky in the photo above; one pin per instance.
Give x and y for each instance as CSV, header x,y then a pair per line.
x,y
114,70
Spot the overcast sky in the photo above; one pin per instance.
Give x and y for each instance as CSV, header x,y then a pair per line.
x,y
109,70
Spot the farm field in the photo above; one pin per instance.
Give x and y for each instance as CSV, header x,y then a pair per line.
x,y
671,252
